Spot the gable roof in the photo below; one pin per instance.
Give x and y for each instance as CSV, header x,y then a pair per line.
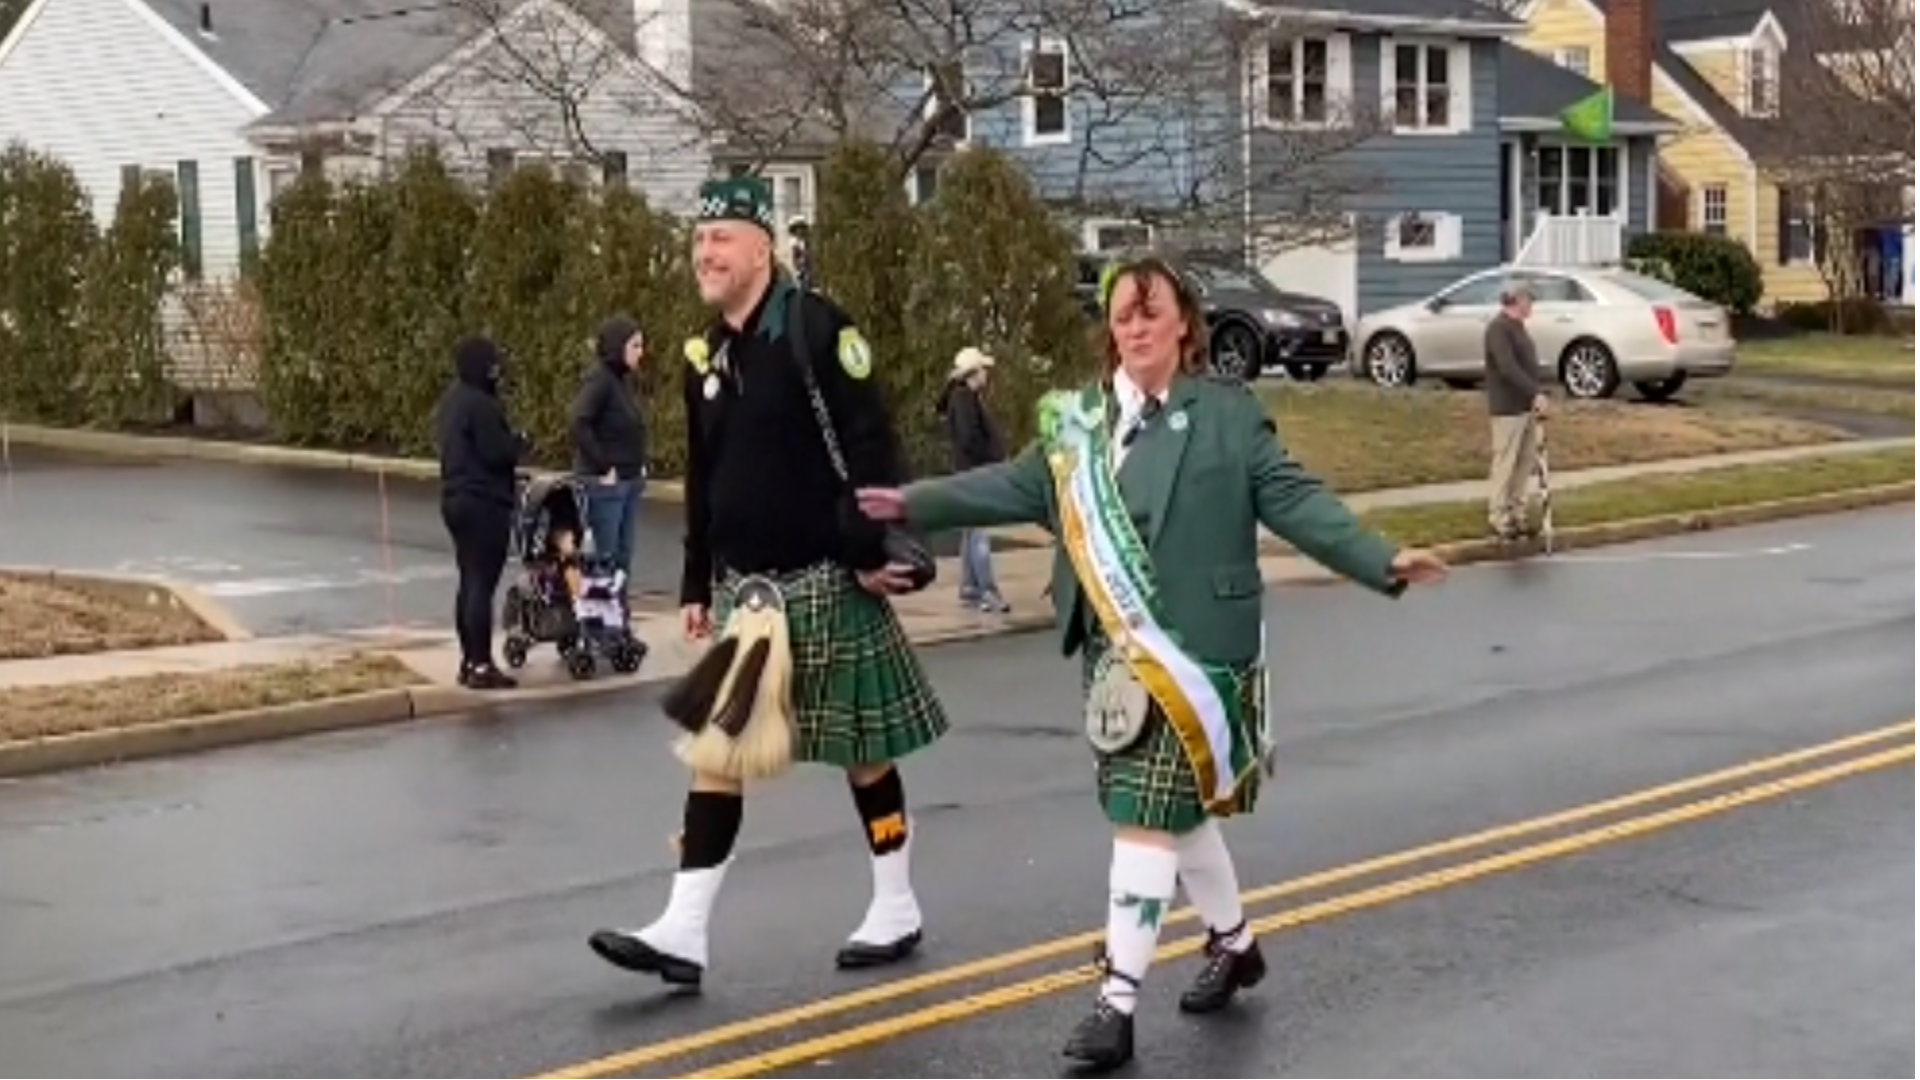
x,y
322,59
1534,91
1472,18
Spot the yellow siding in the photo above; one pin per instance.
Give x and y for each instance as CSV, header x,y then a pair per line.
x,y
1720,67
1784,284
1559,24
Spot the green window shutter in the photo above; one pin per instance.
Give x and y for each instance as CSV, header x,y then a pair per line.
x,y
191,251
129,178
247,211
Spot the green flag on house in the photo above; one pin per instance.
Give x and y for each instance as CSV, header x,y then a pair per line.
x,y
1591,118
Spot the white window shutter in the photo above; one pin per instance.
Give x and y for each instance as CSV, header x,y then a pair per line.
x,y
1447,236
1257,67
1386,80
1460,88
1340,76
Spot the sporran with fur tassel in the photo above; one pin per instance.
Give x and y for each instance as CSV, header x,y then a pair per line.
x,y
735,707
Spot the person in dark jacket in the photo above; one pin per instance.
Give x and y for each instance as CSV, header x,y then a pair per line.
x,y
479,455
610,440
976,441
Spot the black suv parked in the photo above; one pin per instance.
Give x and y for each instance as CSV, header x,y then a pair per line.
x,y
1255,326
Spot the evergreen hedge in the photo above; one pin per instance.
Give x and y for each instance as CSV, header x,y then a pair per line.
x,y
363,288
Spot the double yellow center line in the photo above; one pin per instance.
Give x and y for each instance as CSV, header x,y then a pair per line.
x,y
1856,756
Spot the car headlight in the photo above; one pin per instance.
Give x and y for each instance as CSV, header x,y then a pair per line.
x,y
1277,317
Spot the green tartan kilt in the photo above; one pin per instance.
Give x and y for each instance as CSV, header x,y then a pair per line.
x,y
1151,784
860,696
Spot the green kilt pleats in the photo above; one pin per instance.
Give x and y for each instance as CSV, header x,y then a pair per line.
x,y
860,696
1151,784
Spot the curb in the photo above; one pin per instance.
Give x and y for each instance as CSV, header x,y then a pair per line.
x,y
139,590
384,707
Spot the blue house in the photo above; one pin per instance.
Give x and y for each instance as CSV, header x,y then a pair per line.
x,y
1370,155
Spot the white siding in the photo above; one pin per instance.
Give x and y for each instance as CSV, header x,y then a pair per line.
x,y
98,85
488,100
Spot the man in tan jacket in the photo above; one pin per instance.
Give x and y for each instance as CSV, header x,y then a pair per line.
x,y
1516,401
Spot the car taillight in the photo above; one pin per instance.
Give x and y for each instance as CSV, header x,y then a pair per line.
x,y
1669,326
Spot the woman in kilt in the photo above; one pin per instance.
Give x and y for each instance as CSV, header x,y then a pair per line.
x,y
1155,483
771,516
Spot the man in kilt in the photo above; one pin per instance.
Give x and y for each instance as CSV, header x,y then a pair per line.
x,y
1156,482
764,499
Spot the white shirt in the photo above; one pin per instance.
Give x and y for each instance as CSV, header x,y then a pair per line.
x,y
1131,400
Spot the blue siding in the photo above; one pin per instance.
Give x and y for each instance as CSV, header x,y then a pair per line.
x,y
1157,149
1396,174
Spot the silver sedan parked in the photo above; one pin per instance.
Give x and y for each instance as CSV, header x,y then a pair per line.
x,y
1596,327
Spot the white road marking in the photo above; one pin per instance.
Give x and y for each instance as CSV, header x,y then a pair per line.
x,y
243,588
1627,559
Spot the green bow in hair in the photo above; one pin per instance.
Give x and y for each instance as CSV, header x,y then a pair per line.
x,y
1109,277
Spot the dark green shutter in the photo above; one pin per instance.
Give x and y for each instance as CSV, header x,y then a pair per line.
x,y
191,251
247,209
1784,224
129,178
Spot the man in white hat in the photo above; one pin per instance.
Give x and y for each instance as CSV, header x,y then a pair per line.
x,y
976,442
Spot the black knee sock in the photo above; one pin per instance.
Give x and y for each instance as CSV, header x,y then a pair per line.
x,y
711,826
883,811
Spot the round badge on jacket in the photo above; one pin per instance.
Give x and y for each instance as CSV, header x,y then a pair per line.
x,y
856,356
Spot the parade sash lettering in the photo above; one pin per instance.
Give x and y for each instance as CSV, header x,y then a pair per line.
x,y
1200,701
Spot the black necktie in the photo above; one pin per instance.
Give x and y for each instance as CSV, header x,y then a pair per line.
x,y
1147,412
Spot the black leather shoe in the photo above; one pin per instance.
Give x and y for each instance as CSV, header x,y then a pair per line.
x,y
860,955
1226,974
1104,1040
629,953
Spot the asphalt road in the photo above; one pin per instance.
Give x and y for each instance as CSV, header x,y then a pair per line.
x,y
288,551
413,902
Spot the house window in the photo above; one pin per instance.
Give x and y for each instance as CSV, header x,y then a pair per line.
x,y
950,121
1047,91
1580,180
1423,84
1110,235
613,168
1423,236
1713,209
1798,225
1575,58
1763,82
1297,80
280,177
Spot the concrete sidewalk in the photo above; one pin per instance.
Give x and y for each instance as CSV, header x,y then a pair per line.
x,y
931,617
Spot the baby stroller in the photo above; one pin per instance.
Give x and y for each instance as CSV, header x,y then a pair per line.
x,y
567,595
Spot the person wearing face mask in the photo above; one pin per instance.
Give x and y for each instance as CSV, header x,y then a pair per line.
x,y
1157,482
480,453
610,440
781,399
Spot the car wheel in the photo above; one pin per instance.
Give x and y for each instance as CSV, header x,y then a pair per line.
x,y
1390,360
1236,352
1662,389
1300,372
1588,371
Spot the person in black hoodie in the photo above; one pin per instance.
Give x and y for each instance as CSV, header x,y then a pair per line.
x,y
976,441
610,440
479,455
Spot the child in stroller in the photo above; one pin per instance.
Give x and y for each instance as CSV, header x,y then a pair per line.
x,y
567,594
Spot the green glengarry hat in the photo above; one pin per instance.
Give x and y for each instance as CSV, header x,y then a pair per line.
x,y
738,198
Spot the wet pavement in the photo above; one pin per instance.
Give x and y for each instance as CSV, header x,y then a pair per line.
x,y
414,902
286,550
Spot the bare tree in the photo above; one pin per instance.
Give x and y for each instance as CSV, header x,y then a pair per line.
x,y
1844,142
1159,96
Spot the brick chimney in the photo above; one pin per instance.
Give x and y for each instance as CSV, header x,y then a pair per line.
x,y
1630,49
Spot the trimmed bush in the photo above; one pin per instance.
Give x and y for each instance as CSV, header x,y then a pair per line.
x,y
1716,268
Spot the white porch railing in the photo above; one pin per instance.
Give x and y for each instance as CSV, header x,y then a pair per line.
x,y
1574,240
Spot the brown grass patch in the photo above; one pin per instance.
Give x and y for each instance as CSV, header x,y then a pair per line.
x,y
1877,359
44,618
1890,399
32,712
1362,438
1659,496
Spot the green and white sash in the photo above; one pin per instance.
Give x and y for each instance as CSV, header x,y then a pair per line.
x,y
1201,701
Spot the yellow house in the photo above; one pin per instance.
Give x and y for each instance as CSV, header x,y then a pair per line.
x,y
1714,65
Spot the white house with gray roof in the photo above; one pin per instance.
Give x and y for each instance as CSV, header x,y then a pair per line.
x,y
234,97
